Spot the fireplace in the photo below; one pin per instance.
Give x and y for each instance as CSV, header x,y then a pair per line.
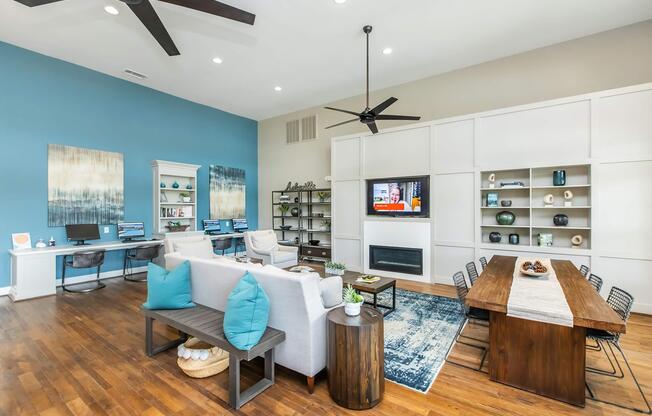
x,y
396,259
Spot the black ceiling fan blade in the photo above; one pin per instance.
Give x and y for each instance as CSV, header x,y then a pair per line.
x,y
216,8
344,122
147,15
373,127
32,3
343,111
394,117
383,106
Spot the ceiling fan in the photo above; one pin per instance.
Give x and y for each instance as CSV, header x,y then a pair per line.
x,y
145,12
369,116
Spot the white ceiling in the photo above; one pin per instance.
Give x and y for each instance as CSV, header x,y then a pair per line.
x,y
314,49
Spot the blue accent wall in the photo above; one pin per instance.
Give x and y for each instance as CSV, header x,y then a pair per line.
x,y
45,100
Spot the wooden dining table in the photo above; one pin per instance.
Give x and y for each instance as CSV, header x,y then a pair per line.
x,y
543,358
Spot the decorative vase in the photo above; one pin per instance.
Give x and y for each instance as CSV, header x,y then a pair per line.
x,y
352,309
296,199
559,178
40,243
560,220
295,211
334,272
505,218
514,239
163,185
495,237
506,203
186,199
175,185
189,186
576,241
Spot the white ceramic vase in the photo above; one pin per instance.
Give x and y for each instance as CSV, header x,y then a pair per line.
x,y
352,309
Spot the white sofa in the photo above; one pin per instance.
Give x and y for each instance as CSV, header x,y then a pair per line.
x,y
263,245
299,303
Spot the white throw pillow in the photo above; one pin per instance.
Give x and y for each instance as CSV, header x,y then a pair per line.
x,y
331,291
264,241
202,249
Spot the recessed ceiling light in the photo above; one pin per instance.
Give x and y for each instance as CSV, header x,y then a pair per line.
x,y
339,1
217,60
387,51
277,88
111,10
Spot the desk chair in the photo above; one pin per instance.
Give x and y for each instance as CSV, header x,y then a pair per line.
x,y
222,244
621,302
483,262
240,245
83,260
140,253
471,314
473,272
584,270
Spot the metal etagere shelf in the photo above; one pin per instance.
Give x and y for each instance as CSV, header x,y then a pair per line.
x,y
311,222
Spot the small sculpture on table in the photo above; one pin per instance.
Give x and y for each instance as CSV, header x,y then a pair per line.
x,y
577,241
548,201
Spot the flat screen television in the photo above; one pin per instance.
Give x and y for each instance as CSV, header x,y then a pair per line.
x,y
399,197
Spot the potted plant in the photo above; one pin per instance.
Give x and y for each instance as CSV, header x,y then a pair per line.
x,y
325,225
323,195
352,301
333,268
283,208
185,197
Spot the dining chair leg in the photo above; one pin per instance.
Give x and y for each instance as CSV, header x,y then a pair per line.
x,y
640,390
596,347
613,373
456,341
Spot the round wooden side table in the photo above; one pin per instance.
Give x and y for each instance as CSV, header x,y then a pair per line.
x,y
356,374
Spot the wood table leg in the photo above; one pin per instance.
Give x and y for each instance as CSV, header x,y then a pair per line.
x,y
234,381
543,358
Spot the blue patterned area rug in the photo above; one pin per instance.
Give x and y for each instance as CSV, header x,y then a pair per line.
x,y
418,335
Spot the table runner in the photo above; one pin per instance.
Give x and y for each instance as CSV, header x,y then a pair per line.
x,y
538,299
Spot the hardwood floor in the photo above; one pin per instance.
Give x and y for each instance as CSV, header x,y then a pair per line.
x,y
83,354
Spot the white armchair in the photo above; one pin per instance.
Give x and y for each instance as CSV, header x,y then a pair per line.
x,y
263,245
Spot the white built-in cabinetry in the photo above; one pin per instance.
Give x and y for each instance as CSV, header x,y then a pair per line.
x,y
174,195
603,140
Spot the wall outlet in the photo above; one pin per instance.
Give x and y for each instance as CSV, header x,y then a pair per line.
x,y
106,230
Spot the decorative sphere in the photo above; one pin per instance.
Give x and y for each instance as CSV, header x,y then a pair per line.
x,y
505,218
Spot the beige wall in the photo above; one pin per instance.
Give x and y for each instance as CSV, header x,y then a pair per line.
x,y
612,59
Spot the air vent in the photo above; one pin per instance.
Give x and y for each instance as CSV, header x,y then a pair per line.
x,y
292,131
135,74
309,128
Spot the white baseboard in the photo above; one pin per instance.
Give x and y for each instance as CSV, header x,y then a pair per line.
x,y
104,275
4,291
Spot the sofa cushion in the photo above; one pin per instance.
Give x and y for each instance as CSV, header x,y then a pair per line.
x,y
168,289
247,313
283,256
264,241
331,291
202,249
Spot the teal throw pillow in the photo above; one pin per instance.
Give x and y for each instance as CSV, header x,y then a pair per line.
x,y
168,289
247,313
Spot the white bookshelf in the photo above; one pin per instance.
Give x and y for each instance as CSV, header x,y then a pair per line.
x,y
533,216
168,201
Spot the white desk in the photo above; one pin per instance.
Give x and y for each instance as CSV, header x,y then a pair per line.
x,y
33,270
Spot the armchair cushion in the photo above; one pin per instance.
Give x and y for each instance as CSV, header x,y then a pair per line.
x,y
331,291
283,256
202,249
264,241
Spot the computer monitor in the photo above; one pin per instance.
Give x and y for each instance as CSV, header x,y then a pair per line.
x,y
212,226
240,225
80,233
128,231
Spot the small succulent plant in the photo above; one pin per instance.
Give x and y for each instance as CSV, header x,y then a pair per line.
x,y
351,296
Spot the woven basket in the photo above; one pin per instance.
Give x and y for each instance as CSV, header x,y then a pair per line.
x,y
217,361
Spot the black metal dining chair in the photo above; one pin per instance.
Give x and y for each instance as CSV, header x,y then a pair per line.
x,y
141,253
584,270
83,260
621,302
483,262
471,314
222,244
472,271
596,282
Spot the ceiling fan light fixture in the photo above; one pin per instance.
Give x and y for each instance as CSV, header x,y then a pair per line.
x,y
111,10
